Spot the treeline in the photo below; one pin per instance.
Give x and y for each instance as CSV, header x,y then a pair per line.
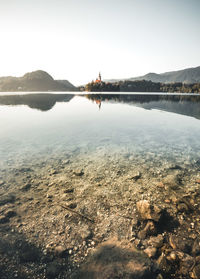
x,y
142,86
102,87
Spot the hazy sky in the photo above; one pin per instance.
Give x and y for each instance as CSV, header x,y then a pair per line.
x,y
75,39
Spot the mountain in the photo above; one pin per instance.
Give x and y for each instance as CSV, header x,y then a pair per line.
x,y
190,75
35,81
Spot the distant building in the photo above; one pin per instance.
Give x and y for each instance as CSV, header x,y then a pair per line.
x,y
98,80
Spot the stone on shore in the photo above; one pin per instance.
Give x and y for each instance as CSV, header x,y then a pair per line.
x,y
148,211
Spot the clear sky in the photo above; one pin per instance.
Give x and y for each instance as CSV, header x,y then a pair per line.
x,y
75,39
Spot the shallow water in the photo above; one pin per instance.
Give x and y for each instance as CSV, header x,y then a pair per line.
x,y
159,128
72,169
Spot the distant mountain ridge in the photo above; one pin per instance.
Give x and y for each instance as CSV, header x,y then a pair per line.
x,y
35,81
189,75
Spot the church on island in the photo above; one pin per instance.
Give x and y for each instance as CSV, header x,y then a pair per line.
x,y
98,80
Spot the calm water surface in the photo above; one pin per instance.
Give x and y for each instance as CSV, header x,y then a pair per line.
x,y
155,127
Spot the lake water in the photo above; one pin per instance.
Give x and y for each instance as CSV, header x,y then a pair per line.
x,y
154,127
73,168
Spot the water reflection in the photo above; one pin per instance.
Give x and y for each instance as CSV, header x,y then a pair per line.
x,y
181,104
128,125
41,102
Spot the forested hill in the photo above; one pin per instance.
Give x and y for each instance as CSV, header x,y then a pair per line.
x,y
35,81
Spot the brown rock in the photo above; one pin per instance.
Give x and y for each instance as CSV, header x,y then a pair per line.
x,y
172,181
186,264
173,256
162,263
196,272
156,241
149,229
114,259
148,211
178,243
79,172
150,251
136,175
198,181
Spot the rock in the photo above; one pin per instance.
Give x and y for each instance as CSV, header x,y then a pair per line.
x,y
150,251
70,190
172,181
198,181
136,175
173,256
147,211
186,263
179,244
72,205
53,269
1,182
149,229
61,251
162,263
156,241
115,259
78,172
175,167
196,247
196,272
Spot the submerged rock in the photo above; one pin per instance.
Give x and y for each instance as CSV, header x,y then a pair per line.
x,y
148,211
196,272
149,229
150,251
78,172
156,241
114,259
178,243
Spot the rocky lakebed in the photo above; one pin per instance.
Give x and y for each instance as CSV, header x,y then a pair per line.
x,y
100,215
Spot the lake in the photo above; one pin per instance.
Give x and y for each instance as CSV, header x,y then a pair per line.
x,y
151,126
73,167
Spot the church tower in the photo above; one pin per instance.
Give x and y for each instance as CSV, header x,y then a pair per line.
x,y
99,76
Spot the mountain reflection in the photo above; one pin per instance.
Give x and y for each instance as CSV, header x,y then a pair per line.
x,y
43,102
180,104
